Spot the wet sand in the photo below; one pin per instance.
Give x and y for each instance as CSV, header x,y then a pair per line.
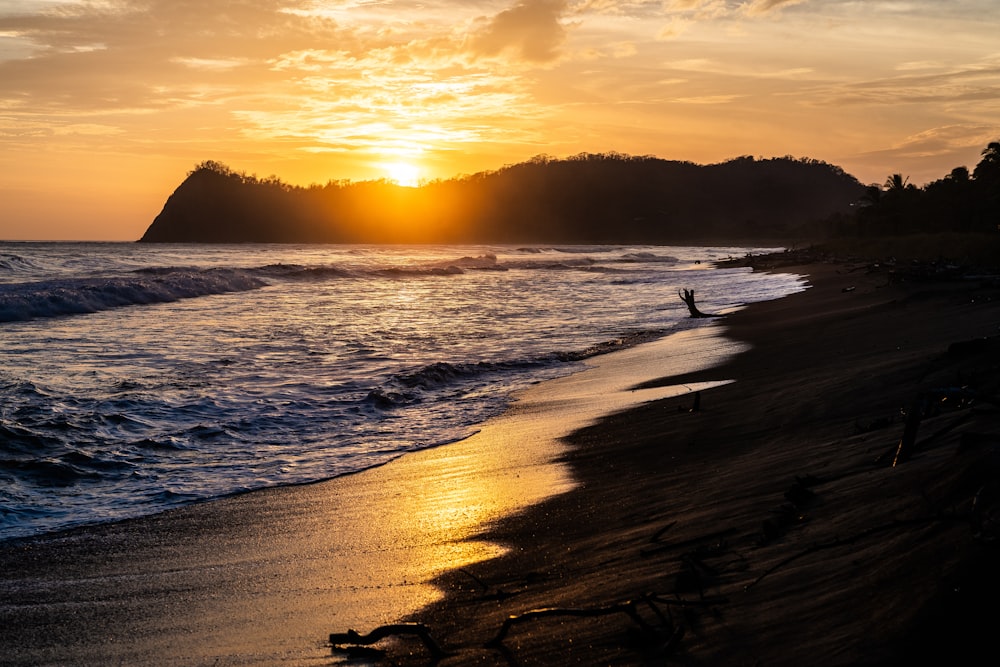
x,y
770,524
869,564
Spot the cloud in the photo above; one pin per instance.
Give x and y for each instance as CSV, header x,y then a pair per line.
x,y
759,7
749,71
708,99
701,7
403,77
976,82
401,99
106,55
921,155
217,64
945,140
675,28
530,29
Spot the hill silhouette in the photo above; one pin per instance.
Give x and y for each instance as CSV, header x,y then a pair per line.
x,y
588,198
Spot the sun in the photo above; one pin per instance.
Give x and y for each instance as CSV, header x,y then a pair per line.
x,y
403,173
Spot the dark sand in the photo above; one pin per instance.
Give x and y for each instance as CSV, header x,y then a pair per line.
x,y
872,565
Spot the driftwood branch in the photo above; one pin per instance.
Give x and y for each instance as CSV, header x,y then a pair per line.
x,y
420,630
688,298
627,608
665,633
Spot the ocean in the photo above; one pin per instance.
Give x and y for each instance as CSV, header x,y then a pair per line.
x,y
137,377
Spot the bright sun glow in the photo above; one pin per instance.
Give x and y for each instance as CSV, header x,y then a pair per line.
x,y
403,173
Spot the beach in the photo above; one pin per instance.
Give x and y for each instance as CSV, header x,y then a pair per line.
x,y
770,516
771,525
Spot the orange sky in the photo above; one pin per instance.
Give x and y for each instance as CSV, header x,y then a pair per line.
x,y
105,105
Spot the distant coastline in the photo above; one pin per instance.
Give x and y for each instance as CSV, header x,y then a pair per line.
x,y
589,198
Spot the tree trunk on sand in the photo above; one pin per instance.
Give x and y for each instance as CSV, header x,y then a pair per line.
x,y
688,298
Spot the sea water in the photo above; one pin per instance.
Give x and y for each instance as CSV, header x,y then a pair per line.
x,y
139,377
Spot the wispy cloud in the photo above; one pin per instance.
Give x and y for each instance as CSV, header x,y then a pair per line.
x,y
387,99
759,7
269,65
931,153
944,140
708,99
975,82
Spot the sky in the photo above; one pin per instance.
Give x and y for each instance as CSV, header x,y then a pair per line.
x,y
106,105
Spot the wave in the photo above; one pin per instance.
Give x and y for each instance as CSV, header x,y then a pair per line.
x,y
74,296
46,472
412,387
405,272
15,263
644,257
448,267
626,341
53,298
486,262
299,272
556,260
16,439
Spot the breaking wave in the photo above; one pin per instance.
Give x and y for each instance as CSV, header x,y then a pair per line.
x,y
410,387
75,296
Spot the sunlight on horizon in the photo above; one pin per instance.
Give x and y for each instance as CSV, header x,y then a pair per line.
x,y
403,173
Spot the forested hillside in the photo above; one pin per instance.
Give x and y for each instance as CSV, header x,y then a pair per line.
x,y
589,198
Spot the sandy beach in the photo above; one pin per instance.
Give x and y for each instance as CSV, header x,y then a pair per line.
x,y
770,525
767,527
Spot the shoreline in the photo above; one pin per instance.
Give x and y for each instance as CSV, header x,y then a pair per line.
x,y
770,526
265,576
691,506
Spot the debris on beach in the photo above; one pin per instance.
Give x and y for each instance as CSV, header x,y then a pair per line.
x,y
688,298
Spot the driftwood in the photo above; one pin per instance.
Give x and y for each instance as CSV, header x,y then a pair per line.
x,y
688,298
628,608
420,630
665,633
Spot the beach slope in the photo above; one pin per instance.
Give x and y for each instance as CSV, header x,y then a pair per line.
x,y
770,527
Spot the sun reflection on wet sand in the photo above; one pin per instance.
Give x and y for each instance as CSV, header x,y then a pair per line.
x,y
443,497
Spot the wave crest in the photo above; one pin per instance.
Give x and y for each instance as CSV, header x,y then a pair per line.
x,y
54,298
